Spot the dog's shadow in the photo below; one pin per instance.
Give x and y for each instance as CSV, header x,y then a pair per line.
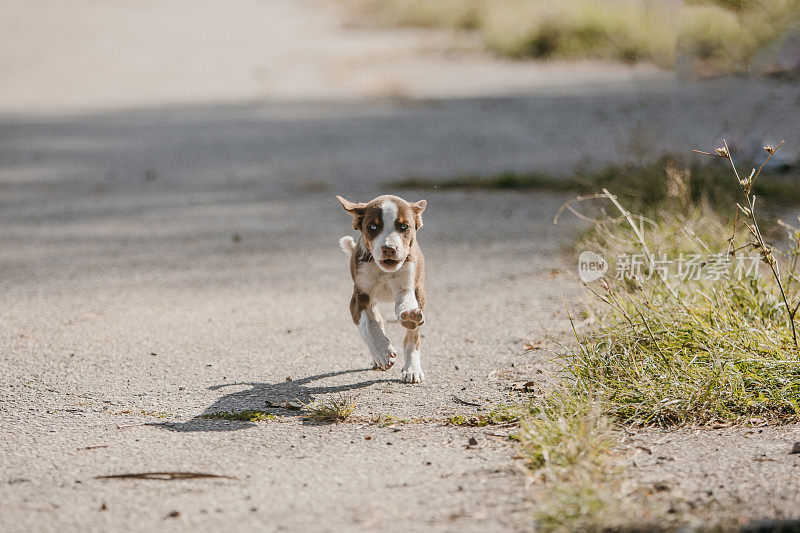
x,y
282,398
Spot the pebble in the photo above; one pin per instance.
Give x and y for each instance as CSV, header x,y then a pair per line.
x,y
473,441
795,447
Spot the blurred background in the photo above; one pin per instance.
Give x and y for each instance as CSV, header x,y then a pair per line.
x,y
309,92
118,118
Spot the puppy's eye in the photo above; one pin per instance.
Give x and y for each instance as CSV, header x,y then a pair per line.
x,y
403,227
373,227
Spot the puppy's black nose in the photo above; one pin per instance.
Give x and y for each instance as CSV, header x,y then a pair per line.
x,y
388,251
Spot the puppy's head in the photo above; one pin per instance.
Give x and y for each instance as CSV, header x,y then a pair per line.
x,y
389,226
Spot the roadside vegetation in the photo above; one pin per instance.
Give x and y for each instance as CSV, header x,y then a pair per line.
x,y
724,35
703,330
665,349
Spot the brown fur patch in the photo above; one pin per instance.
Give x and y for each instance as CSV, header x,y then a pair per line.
x,y
365,215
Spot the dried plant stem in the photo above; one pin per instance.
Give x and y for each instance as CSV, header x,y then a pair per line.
x,y
637,231
760,244
773,265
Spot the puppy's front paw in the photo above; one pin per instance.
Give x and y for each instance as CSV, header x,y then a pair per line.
x,y
383,359
412,319
412,374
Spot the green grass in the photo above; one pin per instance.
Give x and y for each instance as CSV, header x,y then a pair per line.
x,y
383,421
723,35
720,355
241,416
702,352
674,351
500,415
563,433
571,448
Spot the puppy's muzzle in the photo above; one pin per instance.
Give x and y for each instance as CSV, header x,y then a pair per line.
x,y
389,256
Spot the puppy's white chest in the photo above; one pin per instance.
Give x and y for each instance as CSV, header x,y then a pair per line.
x,y
382,286
379,285
383,291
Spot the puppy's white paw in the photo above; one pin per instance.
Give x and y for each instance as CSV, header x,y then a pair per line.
x,y
412,319
412,374
384,358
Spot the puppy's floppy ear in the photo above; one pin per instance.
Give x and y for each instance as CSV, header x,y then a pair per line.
x,y
357,210
418,208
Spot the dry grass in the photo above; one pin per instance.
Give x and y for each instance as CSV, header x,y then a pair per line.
x,y
333,410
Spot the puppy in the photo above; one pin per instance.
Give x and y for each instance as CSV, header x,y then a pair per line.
x,y
387,266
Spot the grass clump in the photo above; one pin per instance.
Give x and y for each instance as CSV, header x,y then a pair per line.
x,y
564,433
717,356
333,410
665,351
241,416
710,347
569,445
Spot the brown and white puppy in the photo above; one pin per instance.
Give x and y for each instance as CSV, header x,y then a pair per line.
x,y
387,266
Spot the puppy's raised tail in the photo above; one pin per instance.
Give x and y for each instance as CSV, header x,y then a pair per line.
x,y
348,244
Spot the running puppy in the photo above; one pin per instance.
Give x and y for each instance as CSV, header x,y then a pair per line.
x,y
387,266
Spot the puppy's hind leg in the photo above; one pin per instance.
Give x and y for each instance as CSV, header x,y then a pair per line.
x,y
412,370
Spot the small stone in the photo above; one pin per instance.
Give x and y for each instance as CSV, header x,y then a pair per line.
x,y
174,514
103,506
795,447
472,441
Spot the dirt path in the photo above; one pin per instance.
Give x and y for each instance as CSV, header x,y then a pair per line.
x,y
124,310
160,261
158,266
